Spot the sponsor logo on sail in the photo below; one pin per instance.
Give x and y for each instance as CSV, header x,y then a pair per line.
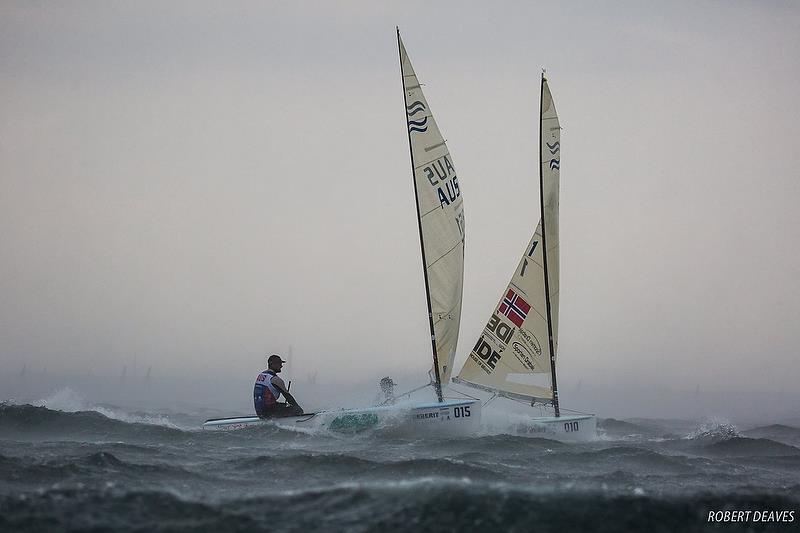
x,y
502,330
523,354
486,355
514,307
414,108
531,341
419,124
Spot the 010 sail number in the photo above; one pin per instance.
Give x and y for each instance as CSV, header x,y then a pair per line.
x,y
571,426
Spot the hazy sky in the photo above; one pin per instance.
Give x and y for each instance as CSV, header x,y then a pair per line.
x,y
198,184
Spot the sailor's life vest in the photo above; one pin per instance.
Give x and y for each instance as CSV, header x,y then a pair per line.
x,y
265,394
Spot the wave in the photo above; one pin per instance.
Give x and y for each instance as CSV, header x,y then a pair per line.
x,y
69,401
625,458
24,421
427,506
743,446
92,469
778,432
611,428
325,466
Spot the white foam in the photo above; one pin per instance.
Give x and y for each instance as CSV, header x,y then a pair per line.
x,y
68,401
715,428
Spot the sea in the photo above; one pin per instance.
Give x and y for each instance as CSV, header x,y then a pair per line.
x,y
110,468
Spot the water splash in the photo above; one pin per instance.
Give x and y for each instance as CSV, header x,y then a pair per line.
x,y
716,429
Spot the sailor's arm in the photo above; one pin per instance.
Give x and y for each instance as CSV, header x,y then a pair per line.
x,y
279,384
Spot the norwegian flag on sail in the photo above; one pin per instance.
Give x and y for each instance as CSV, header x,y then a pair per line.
x,y
515,308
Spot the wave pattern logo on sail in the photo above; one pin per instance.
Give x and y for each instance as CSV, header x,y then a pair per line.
x,y
414,108
555,164
420,125
555,147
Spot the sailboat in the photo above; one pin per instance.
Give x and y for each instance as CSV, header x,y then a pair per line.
x,y
515,355
440,221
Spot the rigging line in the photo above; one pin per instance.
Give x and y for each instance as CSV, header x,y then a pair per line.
x,y
487,402
446,253
414,390
464,394
545,401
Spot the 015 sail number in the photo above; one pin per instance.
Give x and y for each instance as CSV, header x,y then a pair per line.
x,y
461,412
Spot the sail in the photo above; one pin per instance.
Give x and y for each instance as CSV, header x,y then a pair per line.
x,y
441,220
514,353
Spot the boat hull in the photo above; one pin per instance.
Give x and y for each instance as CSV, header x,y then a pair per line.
x,y
451,417
572,428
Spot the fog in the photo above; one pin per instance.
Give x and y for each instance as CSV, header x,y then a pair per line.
x,y
189,187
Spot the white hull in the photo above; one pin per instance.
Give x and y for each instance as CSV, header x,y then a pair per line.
x,y
572,428
452,417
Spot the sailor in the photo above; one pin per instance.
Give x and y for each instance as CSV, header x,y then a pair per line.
x,y
268,389
387,388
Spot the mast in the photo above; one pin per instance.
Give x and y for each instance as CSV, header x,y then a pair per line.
x,y
438,384
544,259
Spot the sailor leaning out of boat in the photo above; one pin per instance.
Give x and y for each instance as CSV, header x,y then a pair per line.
x,y
269,387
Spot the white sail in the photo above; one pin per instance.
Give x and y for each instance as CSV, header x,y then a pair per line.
x,y
441,219
513,354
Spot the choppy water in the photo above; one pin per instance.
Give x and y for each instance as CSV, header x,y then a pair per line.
x,y
110,470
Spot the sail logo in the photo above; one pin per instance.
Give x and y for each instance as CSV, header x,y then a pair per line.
x,y
532,341
523,354
420,125
486,354
500,328
416,107
555,164
514,307
555,147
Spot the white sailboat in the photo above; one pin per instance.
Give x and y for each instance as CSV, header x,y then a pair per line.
x,y
440,218
515,355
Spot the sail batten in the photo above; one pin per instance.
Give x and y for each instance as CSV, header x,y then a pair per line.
x,y
440,215
515,354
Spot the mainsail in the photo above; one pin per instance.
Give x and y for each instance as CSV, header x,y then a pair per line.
x,y
441,222
516,353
